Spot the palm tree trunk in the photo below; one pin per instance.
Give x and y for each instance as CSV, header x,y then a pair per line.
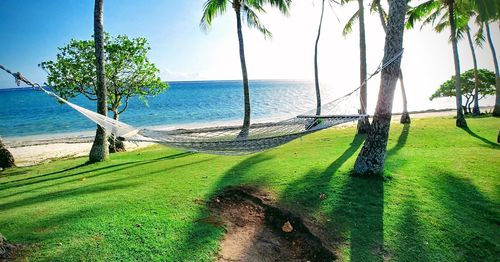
x,y
460,114
316,76
99,151
6,158
371,159
475,110
405,116
496,110
246,92
364,124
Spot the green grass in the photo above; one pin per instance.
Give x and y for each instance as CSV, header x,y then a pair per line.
x,y
438,201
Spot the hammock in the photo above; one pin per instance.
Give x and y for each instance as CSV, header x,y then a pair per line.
x,y
224,139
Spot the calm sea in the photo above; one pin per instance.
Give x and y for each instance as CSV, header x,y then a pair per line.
x,y
27,112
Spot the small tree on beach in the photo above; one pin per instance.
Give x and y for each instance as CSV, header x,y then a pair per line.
x,y
485,86
249,9
128,72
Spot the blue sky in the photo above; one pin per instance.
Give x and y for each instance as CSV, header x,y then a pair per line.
x,y
32,30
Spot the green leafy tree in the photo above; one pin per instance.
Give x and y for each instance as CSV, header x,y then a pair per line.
x,y
249,9
485,86
128,72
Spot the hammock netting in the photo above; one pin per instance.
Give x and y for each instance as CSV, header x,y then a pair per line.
x,y
224,139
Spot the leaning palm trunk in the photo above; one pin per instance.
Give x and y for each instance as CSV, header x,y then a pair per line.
x,y
364,124
6,158
316,76
246,92
405,116
496,110
475,109
372,156
99,151
460,114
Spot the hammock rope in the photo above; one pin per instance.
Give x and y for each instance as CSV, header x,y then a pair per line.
x,y
224,139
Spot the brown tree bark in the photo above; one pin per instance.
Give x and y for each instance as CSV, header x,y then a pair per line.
x,y
371,159
363,124
99,151
460,122
405,116
246,92
475,110
316,74
496,110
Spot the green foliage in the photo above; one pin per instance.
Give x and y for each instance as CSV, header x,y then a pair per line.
x,y
249,8
439,201
128,71
486,85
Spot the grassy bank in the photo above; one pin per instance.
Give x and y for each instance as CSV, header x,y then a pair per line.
x,y
439,199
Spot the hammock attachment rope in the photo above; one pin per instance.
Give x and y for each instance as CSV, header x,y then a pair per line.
x,y
224,139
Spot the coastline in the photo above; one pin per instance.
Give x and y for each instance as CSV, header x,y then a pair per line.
x,y
33,150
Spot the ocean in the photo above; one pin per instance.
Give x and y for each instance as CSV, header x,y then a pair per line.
x,y
27,112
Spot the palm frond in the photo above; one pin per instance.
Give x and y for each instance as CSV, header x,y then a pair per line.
x,y
419,12
348,26
479,37
253,21
211,9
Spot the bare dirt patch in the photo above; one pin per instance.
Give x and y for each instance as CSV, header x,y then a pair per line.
x,y
259,231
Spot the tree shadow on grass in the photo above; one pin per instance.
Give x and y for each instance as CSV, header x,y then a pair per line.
x,y
53,175
484,140
471,220
306,190
403,137
202,237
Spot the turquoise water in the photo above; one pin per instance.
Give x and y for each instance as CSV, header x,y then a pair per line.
x,y
26,112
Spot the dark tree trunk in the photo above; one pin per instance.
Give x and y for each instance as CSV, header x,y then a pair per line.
x,y
405,116
116,143
371,159
246,92
364,124
99,151
316,75
475,110
6,158
496,110
458,89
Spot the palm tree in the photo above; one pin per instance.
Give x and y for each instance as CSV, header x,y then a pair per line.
x,y
475,109
364,124
99,151
372,156
6,158
316,77
405,116
432,10
496,110
212,8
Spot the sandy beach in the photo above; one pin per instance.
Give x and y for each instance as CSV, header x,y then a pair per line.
x,y
34,150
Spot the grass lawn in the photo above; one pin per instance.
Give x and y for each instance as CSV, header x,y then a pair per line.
x,y
438,201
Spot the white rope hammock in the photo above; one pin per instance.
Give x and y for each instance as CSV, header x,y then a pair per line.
x,y
224,139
